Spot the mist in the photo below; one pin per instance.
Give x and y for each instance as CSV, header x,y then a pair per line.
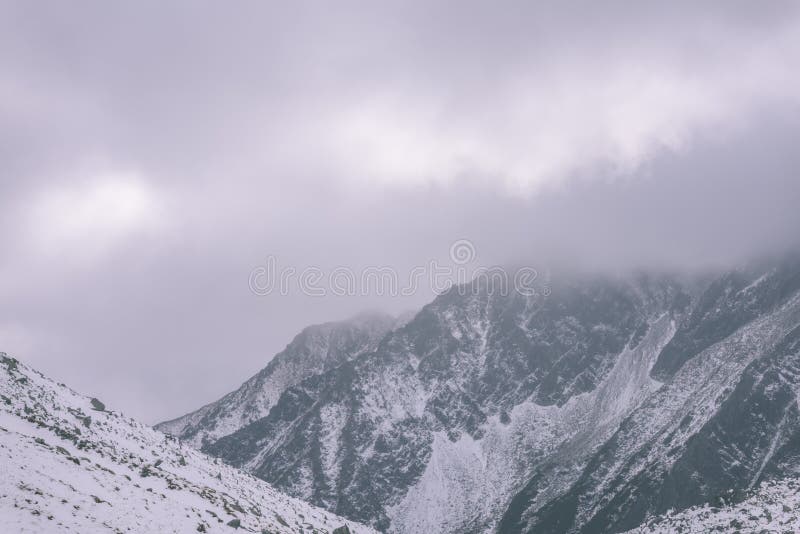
x,y
154,155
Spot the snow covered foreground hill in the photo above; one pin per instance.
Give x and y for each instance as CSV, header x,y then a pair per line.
x,y
69,465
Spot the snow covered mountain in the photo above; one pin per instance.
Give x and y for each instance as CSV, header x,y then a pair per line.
x,y
315,350
68,464
604,404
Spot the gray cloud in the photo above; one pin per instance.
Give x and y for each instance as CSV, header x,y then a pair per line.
x,y
154,154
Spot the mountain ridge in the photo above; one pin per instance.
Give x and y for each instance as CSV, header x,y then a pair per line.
x,y
491,411
315,349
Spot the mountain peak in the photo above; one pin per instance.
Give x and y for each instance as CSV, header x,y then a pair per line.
x,y
316,349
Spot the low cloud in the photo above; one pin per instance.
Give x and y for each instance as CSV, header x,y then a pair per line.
x,y
154,154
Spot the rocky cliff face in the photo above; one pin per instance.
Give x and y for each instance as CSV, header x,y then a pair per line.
x,y
589,410
713,426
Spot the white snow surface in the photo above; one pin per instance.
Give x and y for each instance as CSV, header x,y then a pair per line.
x,y
774,507
68,467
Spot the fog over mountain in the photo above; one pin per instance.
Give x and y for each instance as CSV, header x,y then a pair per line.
x,y
154,155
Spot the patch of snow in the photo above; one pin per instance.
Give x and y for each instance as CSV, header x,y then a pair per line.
x,y
774,507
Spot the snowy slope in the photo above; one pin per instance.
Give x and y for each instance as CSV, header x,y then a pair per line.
x,y
774,507
69,465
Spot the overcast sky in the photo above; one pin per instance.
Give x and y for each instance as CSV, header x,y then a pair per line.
x,y
153,154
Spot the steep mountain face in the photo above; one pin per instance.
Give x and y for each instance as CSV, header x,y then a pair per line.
x,y
724,420
71,465
590,410
315,350
436,427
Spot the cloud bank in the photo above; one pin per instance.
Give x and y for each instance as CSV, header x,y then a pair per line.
x,y
154,154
